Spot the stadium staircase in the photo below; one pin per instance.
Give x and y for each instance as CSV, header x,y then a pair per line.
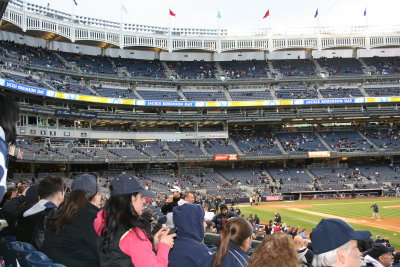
x,y
49,85
362,90
368,70
123,72
369,141
113,65
272,70
69,65
227,95
310,173
248,190
220,70
90,88
222,177
165,144
266,173
168,71
319,93
318,67
181,95
235,146
203,149
280,146
273,93
137,94
323,141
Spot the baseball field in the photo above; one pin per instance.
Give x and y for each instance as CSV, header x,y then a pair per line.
x,y
358,212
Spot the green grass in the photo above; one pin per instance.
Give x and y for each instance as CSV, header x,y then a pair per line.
x,y
357,208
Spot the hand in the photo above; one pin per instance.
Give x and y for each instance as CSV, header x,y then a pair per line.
x,y
168,239
157,237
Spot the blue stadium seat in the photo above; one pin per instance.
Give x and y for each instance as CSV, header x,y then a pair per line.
x,y
37,257
44,264
8,238
22,249
22,246
6,251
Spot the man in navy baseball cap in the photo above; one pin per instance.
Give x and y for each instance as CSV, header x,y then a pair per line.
x,y
335,244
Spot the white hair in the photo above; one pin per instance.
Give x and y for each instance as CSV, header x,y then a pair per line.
x,y
329,258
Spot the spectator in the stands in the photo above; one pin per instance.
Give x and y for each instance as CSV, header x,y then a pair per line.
x,y
70,238
221,219
379,256
33,223
335,244
9,195
278,218
124,238
276,250
188,248
235,241
172,202
13,208
8,133
304,254
188,197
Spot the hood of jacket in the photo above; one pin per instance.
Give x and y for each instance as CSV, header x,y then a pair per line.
x,y
2,134
42,205
189,221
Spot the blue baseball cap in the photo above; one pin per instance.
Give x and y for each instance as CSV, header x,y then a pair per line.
x,y
86,182
331,234
127,184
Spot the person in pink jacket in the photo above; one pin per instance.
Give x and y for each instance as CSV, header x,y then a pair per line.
x,y
124,238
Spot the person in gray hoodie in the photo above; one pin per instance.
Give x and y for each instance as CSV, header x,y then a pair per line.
x,y
188,249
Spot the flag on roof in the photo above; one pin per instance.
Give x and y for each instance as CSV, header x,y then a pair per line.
x,y
218,15
365,12
316,13
266,14
172,13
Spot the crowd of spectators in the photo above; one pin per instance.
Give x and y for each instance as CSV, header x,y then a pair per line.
x,y
202,230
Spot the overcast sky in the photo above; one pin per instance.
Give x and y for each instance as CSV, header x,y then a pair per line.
x,y
237,14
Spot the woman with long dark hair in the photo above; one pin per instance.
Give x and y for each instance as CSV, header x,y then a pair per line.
x,y
234,243
125,238
70,238
8,133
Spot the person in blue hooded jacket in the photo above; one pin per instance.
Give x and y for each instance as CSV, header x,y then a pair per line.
x,y
188,249
8,133
235,241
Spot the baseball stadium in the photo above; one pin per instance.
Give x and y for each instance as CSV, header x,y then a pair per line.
x,y
141,135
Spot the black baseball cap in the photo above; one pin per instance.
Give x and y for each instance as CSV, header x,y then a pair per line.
x,y
223,207
331,234
86,182
378,249
127,184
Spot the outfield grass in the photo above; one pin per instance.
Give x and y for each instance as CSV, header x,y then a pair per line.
x,y
348,208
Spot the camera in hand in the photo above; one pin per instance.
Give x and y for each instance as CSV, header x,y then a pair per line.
x,y
172,231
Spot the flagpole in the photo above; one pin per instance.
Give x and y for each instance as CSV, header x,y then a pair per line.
x,y
269,23
366,18
121,41
219,38
169,31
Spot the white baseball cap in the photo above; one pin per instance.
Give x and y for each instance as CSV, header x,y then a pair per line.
x,y
175,188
